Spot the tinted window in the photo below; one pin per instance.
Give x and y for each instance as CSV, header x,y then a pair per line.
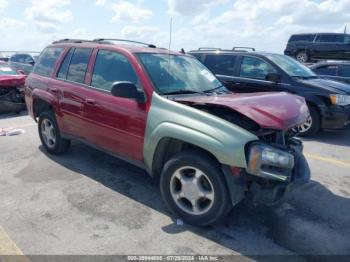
x,y
111,67
78,65
302,38
221,64
345,70
330,70
255,68
47,60
62,73
326,38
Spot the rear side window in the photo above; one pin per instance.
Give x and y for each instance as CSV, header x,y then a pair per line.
x,y
302,38
330,70
255,68
47,60
62,73
221,64
112,67
345,71
78,65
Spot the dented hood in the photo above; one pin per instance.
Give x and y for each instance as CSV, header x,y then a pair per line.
x,y
12,80
280,111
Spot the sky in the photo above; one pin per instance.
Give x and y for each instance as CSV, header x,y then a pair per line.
x,y
30,25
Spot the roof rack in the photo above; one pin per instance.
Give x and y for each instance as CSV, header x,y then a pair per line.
x,y
209,48
101,40
243,47
123,40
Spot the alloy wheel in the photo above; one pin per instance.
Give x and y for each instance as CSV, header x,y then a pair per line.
x,y
192,190
48,133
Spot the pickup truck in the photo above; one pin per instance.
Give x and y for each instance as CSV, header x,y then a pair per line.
x,y
164,111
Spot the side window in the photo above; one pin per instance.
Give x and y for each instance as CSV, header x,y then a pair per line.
x,y
78,65
340,39
255,68
330,70
345,71
221,64
111,67
302,38
325,38
47,60
62,73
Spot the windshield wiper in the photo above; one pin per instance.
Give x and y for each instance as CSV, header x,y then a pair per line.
x,y
184,91
211,90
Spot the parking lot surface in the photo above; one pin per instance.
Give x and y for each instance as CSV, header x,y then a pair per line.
x,y
87,202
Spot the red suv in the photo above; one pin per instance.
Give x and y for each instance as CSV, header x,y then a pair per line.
x,y
167,113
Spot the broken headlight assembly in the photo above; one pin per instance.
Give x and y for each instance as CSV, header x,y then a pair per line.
x,y
269,162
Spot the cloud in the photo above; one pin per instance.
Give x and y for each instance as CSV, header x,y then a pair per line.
x,y
47,14
3,5
149,34
191,7
10,23
127,11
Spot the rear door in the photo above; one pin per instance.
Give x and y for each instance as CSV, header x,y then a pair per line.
x,y
326,46
224,66
113,123
70,84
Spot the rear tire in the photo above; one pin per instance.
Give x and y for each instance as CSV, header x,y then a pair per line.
x,y
194,188
50,135
302,57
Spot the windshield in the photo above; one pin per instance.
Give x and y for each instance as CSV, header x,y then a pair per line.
x,y
178,74
5,71
291,66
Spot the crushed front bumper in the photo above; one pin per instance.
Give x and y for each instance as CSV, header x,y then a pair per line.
x,y
271,191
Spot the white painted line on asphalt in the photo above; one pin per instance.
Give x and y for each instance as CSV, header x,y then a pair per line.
x,y
327,159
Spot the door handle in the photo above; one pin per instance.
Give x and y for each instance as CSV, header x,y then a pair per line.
x,y
90,101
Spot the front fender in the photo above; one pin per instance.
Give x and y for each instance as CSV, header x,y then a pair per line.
x,y
169,119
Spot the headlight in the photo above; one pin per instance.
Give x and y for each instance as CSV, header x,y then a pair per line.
x,y
341,100
270,162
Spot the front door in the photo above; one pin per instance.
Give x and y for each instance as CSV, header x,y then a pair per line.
x,y
113,123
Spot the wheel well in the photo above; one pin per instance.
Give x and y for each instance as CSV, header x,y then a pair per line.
x,y
311,104
167,148
40,106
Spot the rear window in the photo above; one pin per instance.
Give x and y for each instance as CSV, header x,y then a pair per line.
x,y
78,65
47,60
221,64
302,38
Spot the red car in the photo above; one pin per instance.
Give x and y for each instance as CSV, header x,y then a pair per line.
x,y
11,89
167,113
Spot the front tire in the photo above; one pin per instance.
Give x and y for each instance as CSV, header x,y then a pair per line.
x,y
50,135
194,188
313,124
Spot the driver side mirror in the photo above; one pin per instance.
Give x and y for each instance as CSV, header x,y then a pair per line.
x,y
127,89
31,62
273,77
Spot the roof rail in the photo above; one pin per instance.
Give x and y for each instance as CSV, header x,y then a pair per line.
x,y
243,47
209,48
67,40
123,40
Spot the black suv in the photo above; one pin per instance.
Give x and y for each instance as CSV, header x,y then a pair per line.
x,y
308,47
245,72
336,70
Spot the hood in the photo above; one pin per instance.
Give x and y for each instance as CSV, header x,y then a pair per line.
x,y
332,86
12,80
280,111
